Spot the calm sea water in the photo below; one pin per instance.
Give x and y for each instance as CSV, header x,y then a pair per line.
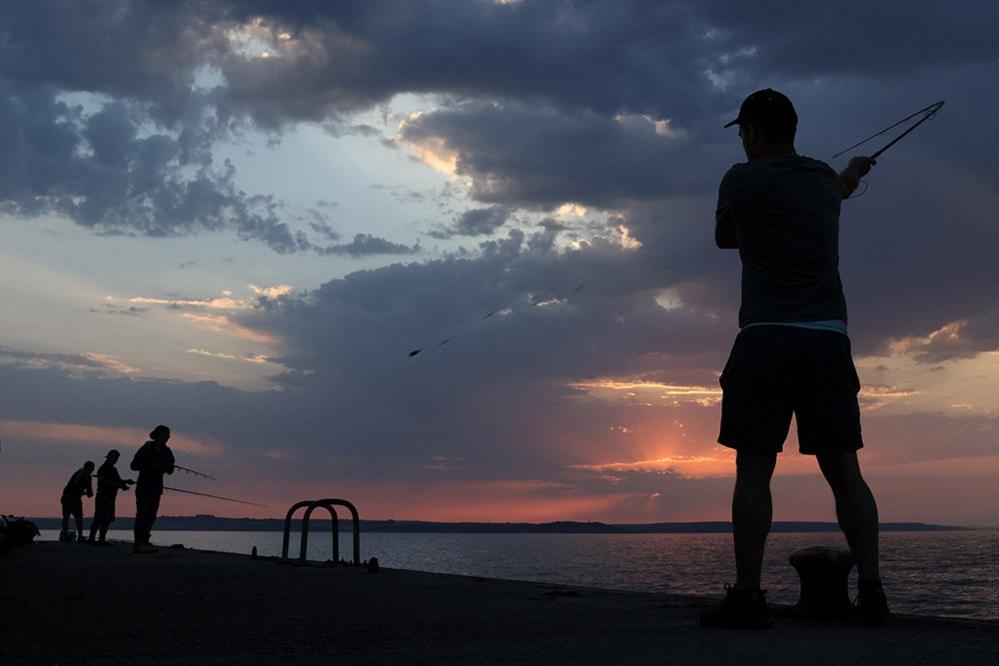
x,y
930,573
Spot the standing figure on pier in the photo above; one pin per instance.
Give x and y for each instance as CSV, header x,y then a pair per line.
x,y
151,461
792,354
72,500
109,482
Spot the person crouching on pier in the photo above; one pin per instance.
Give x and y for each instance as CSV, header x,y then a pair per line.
x,y
109,482
151,461
72,500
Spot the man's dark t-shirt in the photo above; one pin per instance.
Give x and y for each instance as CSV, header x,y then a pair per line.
x,y
152,463
79,484
785,210
109,481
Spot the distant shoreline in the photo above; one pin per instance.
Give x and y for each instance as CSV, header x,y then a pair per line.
x,y
218,524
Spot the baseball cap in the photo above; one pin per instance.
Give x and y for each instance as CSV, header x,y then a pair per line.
x,y
766,107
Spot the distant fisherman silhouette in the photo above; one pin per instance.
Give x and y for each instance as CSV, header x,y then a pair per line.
x,y
151,461
792,354
72,500
109,482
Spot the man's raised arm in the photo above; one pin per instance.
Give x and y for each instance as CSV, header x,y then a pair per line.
x,y
850,177
725,236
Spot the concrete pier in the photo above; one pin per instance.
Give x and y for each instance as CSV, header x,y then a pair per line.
x,y
63,603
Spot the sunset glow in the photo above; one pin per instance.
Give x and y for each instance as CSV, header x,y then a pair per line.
x,y
458,261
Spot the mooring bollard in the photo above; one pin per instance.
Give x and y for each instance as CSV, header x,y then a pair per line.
x,y
824,574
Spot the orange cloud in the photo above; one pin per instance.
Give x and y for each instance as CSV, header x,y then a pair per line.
x,y
248,358
875,396
435,153
222,324
73,363
77,433
110,363
645,392
226,302
691,466
272,292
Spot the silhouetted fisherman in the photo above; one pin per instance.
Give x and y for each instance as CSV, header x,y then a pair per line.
x,y
109,482
792,354
151,461
72,500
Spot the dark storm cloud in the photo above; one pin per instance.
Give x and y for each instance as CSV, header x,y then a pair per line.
x,y
646,57
364,245
139,159
323,228
530,156
922,36
133,154
349,57
475,222
586,62
146,51
105,172
74,363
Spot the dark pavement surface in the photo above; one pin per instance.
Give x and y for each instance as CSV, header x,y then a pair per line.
x,y
70,603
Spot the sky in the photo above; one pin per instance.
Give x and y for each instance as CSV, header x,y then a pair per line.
x,y
239,218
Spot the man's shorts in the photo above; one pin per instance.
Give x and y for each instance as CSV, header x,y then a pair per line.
x,y
104,509
776,371
71,506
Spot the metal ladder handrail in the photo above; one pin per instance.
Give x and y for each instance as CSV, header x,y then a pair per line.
x,y
328,504
335,531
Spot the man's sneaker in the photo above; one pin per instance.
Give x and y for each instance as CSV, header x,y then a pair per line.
x,y
871,606
741,609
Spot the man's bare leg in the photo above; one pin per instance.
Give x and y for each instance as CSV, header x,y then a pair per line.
x,y
856,509
752,513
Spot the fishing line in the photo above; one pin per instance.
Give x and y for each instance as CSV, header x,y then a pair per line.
x,y
927,113
861,193
218,497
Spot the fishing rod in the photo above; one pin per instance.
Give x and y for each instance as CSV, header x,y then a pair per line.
x,y
927,113
483,317
188,470
218,497
194,472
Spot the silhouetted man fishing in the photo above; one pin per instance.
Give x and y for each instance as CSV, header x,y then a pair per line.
x,y
151,461
72,500
109,482
792,354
